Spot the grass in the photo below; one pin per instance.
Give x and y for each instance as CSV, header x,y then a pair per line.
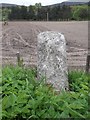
x,y
24,97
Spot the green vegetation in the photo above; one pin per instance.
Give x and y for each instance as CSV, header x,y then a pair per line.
x,y
39,12
5,14
80,12
24,97
0,14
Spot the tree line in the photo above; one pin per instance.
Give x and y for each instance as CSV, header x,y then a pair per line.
x,y
42,13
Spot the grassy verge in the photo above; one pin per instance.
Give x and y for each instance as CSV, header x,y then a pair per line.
x,y
24,98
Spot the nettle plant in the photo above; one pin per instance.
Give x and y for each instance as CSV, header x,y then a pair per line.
x,y
24,97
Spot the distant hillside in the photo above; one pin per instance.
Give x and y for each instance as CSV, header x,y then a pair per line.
x,y
72,3
7,5
78,0
69,3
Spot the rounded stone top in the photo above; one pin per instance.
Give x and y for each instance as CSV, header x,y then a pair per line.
x,y
51,35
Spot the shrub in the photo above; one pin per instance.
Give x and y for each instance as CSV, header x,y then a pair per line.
x,y
24,97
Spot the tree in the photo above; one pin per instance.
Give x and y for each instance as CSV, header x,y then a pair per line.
x,y
31,13
66,12
80,12
37,7
24,14
5,13
0,14
15,13
42,13
83,14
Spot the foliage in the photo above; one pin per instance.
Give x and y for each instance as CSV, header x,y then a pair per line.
x,y
0,14
80,12
39,12
5,13
24,97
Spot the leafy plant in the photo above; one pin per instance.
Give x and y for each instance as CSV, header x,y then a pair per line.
x,y
24,97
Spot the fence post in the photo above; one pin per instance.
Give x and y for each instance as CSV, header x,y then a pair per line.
x,y
47,16
87,63
18,58
88,56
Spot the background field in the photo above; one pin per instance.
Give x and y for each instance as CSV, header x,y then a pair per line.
x,y
22,37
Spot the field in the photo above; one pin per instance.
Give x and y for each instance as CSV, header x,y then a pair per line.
x,y
24,96
22,37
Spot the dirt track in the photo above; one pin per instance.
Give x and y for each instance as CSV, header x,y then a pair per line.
x,y
22,37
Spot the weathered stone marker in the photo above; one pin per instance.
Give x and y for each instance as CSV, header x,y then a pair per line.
x,y
52,61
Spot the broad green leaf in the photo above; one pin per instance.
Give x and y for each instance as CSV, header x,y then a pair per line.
x,y
65,114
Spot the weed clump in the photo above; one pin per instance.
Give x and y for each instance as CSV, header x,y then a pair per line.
x,y
24,97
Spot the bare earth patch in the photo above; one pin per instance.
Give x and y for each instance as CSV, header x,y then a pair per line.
x,y
22,37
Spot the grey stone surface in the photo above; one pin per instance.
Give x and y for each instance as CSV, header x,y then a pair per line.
x,y
52,59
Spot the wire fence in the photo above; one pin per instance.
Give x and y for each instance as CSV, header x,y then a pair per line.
x,y
76,60
14,42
